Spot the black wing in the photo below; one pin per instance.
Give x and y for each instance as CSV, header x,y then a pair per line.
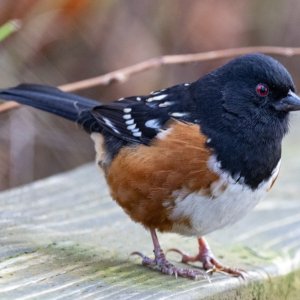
x,y
139,119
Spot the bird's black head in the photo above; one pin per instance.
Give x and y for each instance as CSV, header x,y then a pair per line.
x,y
243,107
257,82
249,90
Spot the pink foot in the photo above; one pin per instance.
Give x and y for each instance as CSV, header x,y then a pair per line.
x,y
207,258
164,266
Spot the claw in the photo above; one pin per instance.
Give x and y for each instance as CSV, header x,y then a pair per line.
x,y
175,250
185,258
137,253
211,270
209,262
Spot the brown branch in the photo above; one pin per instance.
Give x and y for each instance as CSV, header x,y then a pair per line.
x,y
123,74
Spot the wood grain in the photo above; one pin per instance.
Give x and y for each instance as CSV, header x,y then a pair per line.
x,y
64,238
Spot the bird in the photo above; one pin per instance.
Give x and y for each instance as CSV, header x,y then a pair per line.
x,y
188,159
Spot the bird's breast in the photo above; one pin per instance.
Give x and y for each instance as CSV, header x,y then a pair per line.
x,y
176,184
228,201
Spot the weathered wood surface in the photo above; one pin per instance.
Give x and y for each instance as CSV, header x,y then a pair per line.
x,y
64,238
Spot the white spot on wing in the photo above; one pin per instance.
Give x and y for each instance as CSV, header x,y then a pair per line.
x,y
127,110
179,114
129,122
110,124
127,116
153,123
130,127
138,98
137,134
165,104
157,98
155,92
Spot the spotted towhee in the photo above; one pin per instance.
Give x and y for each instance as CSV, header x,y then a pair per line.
x,y
191,158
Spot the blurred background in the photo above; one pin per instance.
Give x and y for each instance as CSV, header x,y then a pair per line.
x,y
61,41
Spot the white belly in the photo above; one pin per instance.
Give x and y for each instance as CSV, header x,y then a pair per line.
x,y
230,202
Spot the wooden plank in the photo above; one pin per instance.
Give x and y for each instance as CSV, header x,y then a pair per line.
x,y
64,238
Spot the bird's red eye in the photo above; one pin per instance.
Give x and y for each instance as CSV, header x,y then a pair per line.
x,y
262,90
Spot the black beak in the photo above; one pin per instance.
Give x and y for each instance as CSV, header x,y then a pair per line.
x,y
289,103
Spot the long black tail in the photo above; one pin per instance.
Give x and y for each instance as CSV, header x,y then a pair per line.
x,y
51,99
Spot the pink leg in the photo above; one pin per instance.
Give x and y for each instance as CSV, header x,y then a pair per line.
x,y
210,263
163,265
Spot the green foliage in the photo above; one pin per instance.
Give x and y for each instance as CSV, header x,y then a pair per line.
x,y
8,29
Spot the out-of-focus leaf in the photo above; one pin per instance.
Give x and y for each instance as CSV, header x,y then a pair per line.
x,y
9,28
